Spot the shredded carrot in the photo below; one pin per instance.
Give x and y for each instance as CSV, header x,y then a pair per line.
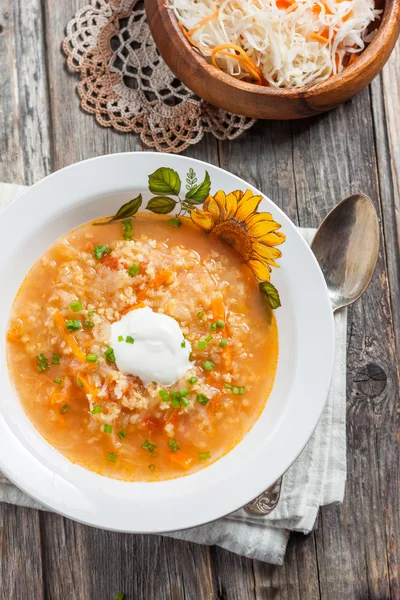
x,y
181,458
80,355
202,22
352,59
284,3
319,38
317,9
243,58
217,307
88,387
134,307
161,278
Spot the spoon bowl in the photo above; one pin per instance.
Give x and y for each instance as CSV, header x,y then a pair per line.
x,y
346,246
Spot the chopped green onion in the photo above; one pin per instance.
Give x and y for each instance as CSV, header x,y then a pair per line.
x,y
183,344
208,338
175,402
152,468
228,386
129,340
213,326
149,446
202,399
192,380
92,358
57,380
185,392
185,401
164,395
240,390
191,356
128,229
202,345
154,455
223,343
175,222
73,325
91,313
175,394
133,270
89,324
100,251
112,457
122,434
109,354
80,382
42,363
204,455
200,314
173,445
107,428
64,409
208,365
96,410
76,306
56,360
220,324
120,338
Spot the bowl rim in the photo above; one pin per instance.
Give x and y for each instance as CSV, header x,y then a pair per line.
x,y
88,501
351,73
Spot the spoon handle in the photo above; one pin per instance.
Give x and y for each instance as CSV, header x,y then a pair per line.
x,y
265,502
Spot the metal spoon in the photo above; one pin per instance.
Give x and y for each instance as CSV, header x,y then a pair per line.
x,y
346,246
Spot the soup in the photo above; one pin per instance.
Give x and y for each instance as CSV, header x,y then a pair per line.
x,y
66,371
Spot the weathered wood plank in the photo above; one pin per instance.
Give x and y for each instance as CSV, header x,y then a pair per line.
x,y
21,571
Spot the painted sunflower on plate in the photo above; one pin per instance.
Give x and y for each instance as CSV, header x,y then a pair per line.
x,y
254,235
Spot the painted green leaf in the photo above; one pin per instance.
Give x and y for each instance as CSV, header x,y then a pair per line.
x,y
164,181
127,210
162,205
270,294
200,192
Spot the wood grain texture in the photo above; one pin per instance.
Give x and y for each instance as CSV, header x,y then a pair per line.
x,y
305,167
262,101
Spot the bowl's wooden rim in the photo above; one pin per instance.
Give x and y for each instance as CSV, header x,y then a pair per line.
x,y
388,30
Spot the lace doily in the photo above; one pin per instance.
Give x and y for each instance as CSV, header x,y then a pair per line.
x,y
127,86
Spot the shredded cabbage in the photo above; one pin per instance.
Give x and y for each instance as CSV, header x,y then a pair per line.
x,y
282,43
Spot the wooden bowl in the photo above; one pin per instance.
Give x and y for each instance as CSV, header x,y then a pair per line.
x,y
223,90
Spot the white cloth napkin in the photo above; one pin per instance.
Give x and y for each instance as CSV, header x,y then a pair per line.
x,y
316,478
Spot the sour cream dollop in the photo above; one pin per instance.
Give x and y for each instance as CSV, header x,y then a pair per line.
x,y
159,351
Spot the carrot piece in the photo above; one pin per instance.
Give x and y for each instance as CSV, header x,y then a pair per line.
x,y
57,397
161,278
319,38
181,459
246,60
88,387
134,307
202,22
217,307
80,355
150,424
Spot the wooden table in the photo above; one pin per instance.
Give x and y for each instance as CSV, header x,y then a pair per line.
x,y
305,167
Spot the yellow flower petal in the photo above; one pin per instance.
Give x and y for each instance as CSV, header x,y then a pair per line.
x,y
266,252
212,206
272,239
262,228
247,206
260,269
231,204
202,219
238,194
257,217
